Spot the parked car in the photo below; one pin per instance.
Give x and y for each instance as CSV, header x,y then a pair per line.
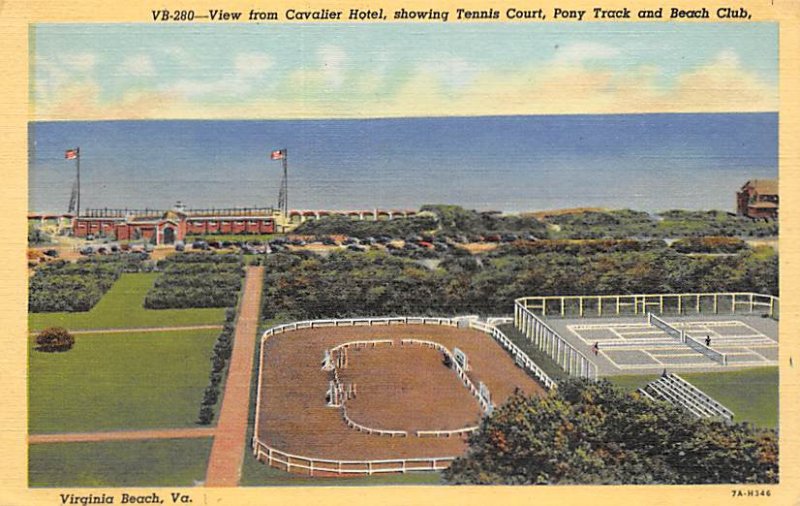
x,y
52,253
201,245
180,246
329,241
356,247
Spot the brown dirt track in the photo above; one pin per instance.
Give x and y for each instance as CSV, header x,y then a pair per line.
x,y
435,400
293,416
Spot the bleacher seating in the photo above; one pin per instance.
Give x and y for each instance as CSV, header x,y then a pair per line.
x,y
676,390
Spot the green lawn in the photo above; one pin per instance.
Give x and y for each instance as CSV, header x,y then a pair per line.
x,y
120,381
122,307
752,394
166,462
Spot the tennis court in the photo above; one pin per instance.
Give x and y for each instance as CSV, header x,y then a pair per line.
x,y
624,345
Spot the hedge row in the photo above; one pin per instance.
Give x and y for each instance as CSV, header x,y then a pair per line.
x,y
202,281
65,286
219,359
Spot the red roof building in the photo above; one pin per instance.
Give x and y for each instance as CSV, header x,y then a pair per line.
x,y
168,227
758,198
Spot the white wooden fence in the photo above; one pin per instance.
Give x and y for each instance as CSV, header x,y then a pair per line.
x,y
289,462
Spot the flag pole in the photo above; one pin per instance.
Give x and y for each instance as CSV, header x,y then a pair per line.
x,y
78,169
285,183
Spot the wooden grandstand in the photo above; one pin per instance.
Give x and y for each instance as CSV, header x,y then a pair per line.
x,y
676,390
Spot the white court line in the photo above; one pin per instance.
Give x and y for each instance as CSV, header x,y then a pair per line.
x,y
614,331
666,355
763,357
651,356
642,348
724,323
642,332
597,326
577,334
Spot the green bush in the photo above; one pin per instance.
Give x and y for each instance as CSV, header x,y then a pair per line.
x,y
65,286
594,433
54,339
196,280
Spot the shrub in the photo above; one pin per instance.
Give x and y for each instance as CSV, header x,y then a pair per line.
x,y
54,339
206,415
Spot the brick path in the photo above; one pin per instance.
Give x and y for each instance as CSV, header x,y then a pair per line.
x,y
225,463
122,435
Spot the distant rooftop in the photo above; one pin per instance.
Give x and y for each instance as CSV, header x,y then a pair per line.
x,y
763,186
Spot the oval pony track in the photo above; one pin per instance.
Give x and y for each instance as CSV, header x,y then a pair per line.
x,y
399,387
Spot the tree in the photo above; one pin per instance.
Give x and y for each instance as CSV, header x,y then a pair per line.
x,y
594,433
54,339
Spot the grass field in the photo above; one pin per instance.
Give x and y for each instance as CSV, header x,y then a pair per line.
x,y
120,381
122,307
166,462
752,394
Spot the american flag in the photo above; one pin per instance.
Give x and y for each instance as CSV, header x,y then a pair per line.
x,y
278,154
71,154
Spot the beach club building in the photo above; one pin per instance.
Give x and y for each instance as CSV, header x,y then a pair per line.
x,y
168,227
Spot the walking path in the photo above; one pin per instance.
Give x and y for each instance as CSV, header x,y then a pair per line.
x,y
122,435
132,330
225,463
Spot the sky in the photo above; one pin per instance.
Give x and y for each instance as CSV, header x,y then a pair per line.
x,y
279,71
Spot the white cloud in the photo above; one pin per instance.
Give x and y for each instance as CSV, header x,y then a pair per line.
x,y
139,65
81,62
251,65
722,85
580,52
333,61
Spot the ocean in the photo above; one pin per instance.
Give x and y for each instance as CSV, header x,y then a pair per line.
x,y
649,162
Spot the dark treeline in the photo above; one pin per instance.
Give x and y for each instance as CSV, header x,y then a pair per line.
x,y
594,433
343,225
709,245
676,223
65,286
446,220
304,285
196,280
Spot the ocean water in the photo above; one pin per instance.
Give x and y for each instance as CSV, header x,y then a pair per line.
x,y
649,162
